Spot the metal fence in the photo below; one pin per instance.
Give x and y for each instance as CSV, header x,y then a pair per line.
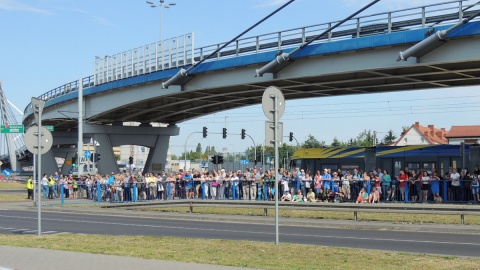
x,y
254,190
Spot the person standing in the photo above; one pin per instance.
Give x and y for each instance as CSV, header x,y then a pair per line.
x,y
455,179
30,188
402,178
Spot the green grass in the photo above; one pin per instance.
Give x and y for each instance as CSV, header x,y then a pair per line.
x,y
13,185
316,214
258,255
13,197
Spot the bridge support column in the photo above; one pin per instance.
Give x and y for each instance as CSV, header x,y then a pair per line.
x,y
68,155
49,164
157,156
107,163
155,138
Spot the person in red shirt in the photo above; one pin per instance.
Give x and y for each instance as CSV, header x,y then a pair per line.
x,y
402,178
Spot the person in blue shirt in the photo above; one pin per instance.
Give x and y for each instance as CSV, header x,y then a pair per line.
x,y
188,178
327,183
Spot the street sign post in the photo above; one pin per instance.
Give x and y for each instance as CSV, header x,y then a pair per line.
x,y
273,104
12,129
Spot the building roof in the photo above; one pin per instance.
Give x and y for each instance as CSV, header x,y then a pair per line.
x,y
464,132
430,133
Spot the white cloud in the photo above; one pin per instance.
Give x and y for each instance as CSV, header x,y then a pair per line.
x,y
14,5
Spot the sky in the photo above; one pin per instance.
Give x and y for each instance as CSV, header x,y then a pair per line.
x,y
47,43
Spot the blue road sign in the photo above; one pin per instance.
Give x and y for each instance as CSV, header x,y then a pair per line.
x,y
7,172
204,163
268,159
244,161
88,154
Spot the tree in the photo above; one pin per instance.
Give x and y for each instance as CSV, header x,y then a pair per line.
x,y
389,138
336,142
365,138
312,142
199,148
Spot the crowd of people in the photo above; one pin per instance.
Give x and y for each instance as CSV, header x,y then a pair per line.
x,y
297,185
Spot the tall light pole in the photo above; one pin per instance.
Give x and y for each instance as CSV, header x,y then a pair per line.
x,y
161,4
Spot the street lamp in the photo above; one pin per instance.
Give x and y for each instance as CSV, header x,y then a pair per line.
x,y
161,4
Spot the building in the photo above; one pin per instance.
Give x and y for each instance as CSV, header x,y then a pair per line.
x,y
421,135
465,134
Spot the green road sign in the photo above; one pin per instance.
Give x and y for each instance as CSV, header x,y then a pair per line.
x,y
49,128
12,129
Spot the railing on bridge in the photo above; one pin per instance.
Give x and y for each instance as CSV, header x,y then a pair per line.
x,y
171,53
146,59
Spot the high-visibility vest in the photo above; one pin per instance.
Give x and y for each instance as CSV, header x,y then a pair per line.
x,y
75,184
29,183
51,183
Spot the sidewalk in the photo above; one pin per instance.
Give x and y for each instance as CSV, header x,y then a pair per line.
x,y
43,259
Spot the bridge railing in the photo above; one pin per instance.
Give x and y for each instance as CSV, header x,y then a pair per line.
x,y
171,53
145,59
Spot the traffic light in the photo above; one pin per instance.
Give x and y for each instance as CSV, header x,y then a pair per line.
x,y
243,133
97,157
204,132
130,160
74,161
220,159
224,133
290,138
214,159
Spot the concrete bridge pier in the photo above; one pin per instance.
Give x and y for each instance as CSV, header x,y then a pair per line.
x,y
155,138
49,165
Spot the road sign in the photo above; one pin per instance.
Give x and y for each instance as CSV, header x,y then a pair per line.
x,y
204,157
270,136
49,128
204,163
31,140
244,161
268,159
88,154
7,172
12,129
268,100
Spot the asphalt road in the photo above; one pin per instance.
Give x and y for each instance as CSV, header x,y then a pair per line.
x,y
444,243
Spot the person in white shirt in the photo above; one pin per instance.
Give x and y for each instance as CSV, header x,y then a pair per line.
x,y
287,197
455,178
234,182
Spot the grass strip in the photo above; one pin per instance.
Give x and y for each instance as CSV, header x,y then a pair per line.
x,y
240,253
14,197
13,185
318,214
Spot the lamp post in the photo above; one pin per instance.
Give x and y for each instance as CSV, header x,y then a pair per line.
x,y
161,4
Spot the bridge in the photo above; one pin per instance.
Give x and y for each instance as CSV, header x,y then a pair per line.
x,y
359,56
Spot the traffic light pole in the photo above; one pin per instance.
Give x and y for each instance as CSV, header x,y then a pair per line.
x,y
254,148
185,150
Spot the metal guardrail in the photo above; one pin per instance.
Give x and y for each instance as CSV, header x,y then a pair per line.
x,y
461,210
444,13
